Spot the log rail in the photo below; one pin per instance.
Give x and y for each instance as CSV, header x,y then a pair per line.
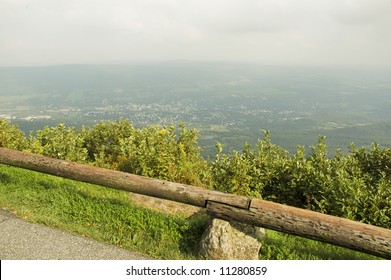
x,y
338,231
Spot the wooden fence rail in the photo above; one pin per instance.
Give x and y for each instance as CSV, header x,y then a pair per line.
x,y
338,231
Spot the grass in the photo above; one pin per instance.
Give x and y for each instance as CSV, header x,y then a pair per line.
x,y
108,215
97,212
281,246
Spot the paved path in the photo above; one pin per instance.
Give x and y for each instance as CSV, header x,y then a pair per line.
x,y
21,240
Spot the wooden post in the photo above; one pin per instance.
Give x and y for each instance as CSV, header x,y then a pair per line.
x,y
338,231
120,180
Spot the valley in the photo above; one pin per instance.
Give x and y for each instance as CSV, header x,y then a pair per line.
x,y
227,102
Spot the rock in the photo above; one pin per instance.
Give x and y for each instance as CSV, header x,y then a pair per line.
x,y
224,240
221,240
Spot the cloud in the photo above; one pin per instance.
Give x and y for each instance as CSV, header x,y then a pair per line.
x,y
270,31
237,17
363,12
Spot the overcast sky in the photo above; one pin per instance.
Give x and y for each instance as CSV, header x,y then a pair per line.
x,y
45,32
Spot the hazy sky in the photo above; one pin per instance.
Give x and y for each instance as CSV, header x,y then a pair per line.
x,y
43,32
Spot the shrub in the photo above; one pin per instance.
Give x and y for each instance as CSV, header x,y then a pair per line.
x,y
58,142
160,153
103,141
11,136
355,186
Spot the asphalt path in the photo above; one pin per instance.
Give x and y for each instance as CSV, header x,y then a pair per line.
x,y
21,240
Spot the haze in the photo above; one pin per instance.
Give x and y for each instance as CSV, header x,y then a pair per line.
x,y
304,32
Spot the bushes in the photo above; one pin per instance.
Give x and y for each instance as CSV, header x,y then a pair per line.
x,y
103,141
58,142
161,152
355,186
158,152
251,173
11,136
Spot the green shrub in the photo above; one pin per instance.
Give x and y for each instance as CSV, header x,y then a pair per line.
x,y
356,185
103,141
11,136
58,142
160,153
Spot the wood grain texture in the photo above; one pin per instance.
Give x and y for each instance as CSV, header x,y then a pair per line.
x,y
334,230
119,180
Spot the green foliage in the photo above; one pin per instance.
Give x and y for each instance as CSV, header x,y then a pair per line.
x,y
161,153
355,185
11,136
103,141
58,142
249,173
375,163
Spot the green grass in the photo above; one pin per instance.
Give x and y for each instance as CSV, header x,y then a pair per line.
x,y
97,212
281,246
108,215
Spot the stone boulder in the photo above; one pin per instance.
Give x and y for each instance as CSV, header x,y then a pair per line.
x,y
224,240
